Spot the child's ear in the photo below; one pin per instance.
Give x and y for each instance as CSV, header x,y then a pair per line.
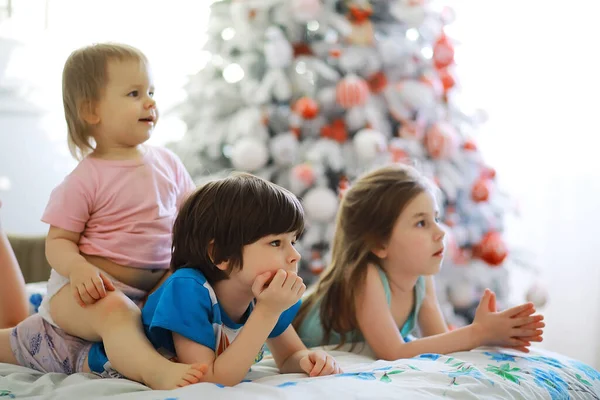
x,y
380,251
224,265
87,112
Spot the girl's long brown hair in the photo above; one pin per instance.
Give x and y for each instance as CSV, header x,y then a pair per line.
x,y
365,219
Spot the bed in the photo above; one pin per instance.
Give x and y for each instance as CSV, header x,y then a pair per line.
x,y
485,373
478,374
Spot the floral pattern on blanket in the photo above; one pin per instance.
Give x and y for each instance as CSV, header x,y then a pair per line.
x,y
560,380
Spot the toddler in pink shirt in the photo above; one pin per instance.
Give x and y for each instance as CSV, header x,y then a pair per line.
x,y
111,219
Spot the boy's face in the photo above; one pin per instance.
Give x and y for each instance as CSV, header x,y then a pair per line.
x,y
268,254
127,111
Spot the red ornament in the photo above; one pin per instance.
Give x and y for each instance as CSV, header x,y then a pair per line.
x,y
343,186
335,131
448,81
306,107
488,172
411,129
377,82
491,249
441,140
296,131
316,264
360,14
336,52
469,145
481,190
443,52
398,154
302,49
352,91
304,173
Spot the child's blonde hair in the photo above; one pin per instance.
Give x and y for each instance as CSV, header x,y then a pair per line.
x,y
84,78
366,217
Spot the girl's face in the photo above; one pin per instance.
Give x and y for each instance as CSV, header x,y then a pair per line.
x,y
416,245
268,254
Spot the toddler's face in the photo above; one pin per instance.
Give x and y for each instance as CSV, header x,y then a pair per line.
x,y
127,109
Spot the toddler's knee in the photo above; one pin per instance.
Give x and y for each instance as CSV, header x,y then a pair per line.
x,y
116,303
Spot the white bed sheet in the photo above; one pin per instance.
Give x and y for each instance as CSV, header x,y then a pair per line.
x,y
478,374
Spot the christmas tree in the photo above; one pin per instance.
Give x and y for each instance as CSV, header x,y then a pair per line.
x,y
311,93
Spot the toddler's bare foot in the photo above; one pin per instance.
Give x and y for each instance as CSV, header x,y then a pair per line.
x,y
178,375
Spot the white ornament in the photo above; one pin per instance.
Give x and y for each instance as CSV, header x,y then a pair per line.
x,y
247,122
278,51
312,236
305,10
284,148
409,12
249,154
325,152
418,95
538,295
461,294
320,204
278,54
369,144
355,118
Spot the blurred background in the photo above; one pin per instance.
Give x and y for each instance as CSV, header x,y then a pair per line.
x,y
530,65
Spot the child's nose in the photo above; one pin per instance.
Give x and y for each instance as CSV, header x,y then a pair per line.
x,y
294,256
150,103
441,233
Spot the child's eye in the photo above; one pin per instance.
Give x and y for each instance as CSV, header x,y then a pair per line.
x,y
438,220
133,93
275,243
151,94
421,223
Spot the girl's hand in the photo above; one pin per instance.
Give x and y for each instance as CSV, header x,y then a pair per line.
x,y
88,284
512,328
319,363
534,325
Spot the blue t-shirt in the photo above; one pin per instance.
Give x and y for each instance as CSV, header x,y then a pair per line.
x,y
186,304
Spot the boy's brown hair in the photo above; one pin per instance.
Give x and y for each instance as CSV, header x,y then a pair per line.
x,y
223,216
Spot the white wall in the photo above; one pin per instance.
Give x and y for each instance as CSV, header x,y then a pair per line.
x,y
33,165
532,66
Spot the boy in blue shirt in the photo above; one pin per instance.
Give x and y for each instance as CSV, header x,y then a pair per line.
x,y
234,284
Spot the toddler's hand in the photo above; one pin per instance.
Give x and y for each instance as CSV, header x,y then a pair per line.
x,y
284,290
89,284
319,363
512,328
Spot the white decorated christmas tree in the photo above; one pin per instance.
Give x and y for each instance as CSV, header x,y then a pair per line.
x,y
311,93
